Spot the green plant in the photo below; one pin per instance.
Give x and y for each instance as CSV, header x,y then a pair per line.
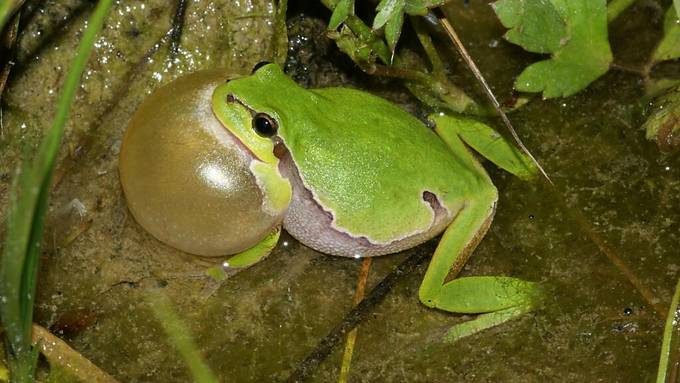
x,y
25,220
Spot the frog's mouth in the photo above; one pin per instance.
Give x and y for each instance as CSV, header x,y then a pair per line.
x,y
226,136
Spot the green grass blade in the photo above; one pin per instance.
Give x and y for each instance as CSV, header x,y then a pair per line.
x,y
178,336
25,220
670,330
6,9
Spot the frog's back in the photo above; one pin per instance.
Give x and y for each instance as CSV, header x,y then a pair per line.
x,y
376,171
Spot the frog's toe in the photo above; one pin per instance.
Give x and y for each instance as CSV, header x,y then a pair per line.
x,y
485,321
483,294
496,299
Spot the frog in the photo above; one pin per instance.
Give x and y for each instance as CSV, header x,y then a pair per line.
x,y
355,175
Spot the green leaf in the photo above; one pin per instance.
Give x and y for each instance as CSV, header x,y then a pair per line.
x,y
677,7
391,15
342,9
669,47
657,86
421,7
534,26
393,28
387,9
574,32
358,49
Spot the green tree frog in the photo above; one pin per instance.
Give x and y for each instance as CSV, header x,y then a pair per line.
x,y
354,175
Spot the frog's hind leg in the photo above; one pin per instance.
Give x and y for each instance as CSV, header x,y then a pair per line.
x,y
497,299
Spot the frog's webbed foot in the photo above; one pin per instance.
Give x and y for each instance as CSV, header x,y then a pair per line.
x,y
497,299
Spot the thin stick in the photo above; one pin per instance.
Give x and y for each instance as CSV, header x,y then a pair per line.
x,y
352,336
487,90
177,26
354,316
576,215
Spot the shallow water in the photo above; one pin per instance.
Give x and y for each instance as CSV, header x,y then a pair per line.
x,y
615,195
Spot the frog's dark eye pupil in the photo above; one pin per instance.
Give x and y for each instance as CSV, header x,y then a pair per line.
x,y
264,125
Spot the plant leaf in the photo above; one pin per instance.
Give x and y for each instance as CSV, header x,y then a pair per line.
x,y
574,32
359,50
677,7
393,28
387,9
669,47
534,26
342,9
421,7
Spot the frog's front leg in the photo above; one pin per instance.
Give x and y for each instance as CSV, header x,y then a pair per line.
x,y
239,262
243,260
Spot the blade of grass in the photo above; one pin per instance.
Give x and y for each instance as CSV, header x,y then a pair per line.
x,y
178,336
670,329
8,47
7,8
25,220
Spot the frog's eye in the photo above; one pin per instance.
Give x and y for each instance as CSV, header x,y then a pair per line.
x,y
264,125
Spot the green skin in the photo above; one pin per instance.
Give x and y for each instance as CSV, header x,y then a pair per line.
x,y
356,170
